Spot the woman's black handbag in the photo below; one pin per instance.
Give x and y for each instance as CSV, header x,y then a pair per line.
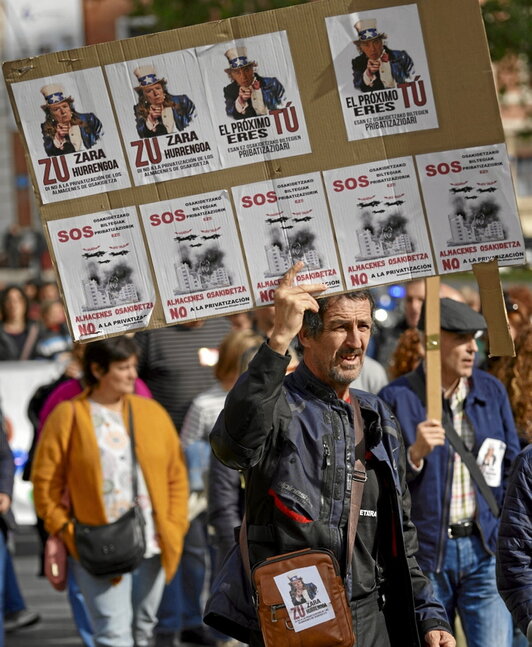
x,y
118,547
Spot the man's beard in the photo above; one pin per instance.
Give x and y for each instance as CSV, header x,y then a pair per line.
x,y
346,376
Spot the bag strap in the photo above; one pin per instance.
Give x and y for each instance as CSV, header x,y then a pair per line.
x,y
134,476
33,332
359,478
357,488
418,386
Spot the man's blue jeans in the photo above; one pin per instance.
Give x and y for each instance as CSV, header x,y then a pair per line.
x,y
181,606
467,586
13,600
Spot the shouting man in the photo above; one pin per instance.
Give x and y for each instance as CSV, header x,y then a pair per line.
x,y
294,439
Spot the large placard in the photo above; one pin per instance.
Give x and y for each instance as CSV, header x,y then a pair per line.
x,y
267,116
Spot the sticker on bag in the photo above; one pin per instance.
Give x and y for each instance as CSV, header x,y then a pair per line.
x,y
489,459
305,597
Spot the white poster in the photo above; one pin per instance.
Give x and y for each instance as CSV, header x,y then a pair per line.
x,y
378,218
198,263
254,99
490,460
382,72
104,271
284,221
470,203
163,116
71,135
305,597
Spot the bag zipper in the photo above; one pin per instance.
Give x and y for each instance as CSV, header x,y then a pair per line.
x,y
305,551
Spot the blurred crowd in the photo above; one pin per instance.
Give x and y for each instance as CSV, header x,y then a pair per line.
x,y
187,371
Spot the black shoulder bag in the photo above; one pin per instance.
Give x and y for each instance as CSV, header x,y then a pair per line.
x,y
418,386
118,547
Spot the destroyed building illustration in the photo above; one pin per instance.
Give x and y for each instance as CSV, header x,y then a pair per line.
x,y
200,271
383,238
112,286
284,249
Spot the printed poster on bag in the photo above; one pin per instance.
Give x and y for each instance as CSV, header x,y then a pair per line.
x,y
382,72
198,263
490,460
104,272
305,597
378,218
163,116
284,221
254,99
471,207
71,135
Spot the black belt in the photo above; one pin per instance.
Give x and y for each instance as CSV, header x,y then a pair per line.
x,y
461,529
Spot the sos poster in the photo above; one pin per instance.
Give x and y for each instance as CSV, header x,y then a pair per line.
x,y
471,207
283,222
104,271
379,222
198,262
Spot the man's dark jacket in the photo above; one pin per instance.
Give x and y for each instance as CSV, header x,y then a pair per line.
x,y
514,574
488,410
272,95
295,440
401,65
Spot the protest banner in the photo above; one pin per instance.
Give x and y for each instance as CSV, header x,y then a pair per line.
x,y
104,267
240,107
473,213
70,134
379,222
164,119
284,221
196,255
383,90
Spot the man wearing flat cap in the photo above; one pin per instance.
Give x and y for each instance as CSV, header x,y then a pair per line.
x,y
158,112
248,94
65,130
455,496
378,67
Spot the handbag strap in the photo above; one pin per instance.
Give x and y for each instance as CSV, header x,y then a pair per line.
x,y
359,478
418,386
357,488
31,338
134,476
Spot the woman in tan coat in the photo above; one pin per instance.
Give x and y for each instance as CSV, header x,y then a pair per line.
x,y
85,450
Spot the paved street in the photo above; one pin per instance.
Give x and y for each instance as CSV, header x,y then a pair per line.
x,y
56,628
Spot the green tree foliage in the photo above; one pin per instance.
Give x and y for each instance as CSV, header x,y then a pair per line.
x,y
509,28
181,13
508,22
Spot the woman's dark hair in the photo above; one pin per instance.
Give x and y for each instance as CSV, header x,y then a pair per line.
x,y
3,298
104,353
